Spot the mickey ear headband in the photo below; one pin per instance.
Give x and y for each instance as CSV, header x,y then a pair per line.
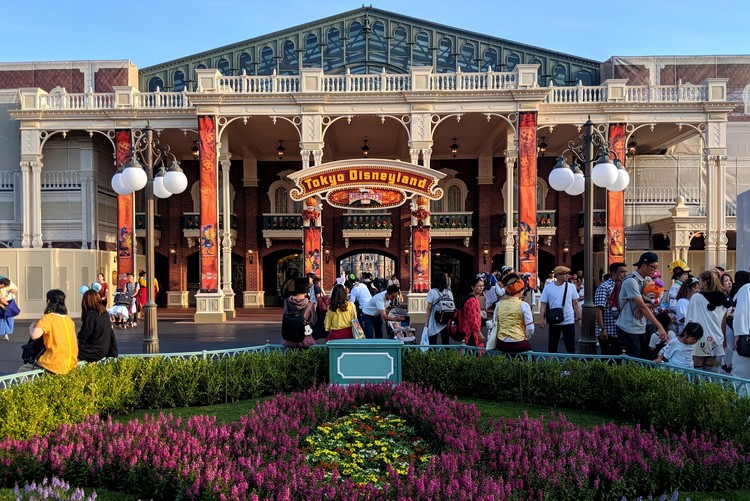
x,y
96,286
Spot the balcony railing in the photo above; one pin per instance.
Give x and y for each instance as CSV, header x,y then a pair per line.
x,y
60,180
450,221
600,218
544,219
369,222
192,221
661,194
140,221
419,80
282,221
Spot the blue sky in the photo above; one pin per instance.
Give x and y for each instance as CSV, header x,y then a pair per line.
x,y
151,32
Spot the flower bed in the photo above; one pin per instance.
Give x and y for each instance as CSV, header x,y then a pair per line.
x,y
262,456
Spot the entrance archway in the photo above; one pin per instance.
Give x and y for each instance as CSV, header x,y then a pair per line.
x,y
380,265
278,267
459,266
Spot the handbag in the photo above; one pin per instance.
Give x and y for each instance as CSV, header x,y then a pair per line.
x,y
322,303
743,346
554,316
357,331
12,309
32,350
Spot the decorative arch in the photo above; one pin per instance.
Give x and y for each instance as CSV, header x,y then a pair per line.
x,y
155,84
511,61
178,81
195,196
224,67
246,63
542,188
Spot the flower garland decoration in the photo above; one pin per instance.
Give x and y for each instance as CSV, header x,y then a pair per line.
x,y
421,215
310,215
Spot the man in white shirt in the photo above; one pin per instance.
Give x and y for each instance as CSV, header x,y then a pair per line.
x,y
555,296
374,314
360,293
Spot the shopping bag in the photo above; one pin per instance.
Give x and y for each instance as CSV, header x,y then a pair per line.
x,y
424,341
357,331
491,336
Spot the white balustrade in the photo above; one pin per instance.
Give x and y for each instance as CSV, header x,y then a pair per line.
x,y
661,194
60,179
7,179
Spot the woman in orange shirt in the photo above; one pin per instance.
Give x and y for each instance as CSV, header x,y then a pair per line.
x,y
58,332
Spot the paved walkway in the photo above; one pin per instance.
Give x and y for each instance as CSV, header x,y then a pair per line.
x,y
178,333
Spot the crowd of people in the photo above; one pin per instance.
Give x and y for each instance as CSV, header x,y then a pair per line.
x,y
706,316
54,344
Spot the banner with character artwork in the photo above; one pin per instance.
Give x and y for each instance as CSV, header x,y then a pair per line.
x,y
616,202
527,241
125,214
420,255
209,245
312,249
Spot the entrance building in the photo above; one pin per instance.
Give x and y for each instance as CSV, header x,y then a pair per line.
x,y
365,134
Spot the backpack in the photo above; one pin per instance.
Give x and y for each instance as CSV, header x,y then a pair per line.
x,y
613,303
293,327
287,290
445,309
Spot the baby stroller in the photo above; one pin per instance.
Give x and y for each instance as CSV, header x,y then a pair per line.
x,y
400,330
122,313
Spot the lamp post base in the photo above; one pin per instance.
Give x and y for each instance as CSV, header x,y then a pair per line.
x,y
209,307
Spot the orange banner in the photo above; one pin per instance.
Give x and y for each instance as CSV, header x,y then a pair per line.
x,y
209,205
527,241
616,202
420,256
312,249
125,214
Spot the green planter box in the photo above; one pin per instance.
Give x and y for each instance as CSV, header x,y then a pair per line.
x,y
364,361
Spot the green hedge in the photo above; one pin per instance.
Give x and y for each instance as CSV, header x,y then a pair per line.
x,y
643,395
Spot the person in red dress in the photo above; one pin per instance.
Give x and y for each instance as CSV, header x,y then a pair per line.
x,y
471,315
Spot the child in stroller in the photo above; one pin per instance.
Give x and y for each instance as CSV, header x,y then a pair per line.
x,y
121,313
400,329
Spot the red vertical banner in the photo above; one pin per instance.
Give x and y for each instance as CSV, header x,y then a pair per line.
x,y
125,214
420,257
616,202
209,246
311,238
527,239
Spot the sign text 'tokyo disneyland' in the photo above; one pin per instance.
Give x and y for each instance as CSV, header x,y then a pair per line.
x,y
388,175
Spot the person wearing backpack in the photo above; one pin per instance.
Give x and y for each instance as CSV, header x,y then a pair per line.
x,y
634,312
560,296
440,309
299,317
606,323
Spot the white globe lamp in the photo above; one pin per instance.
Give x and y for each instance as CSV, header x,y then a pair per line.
x,y
578,185
118,185
604,172
175,180
561,177
134,177
623,179
159,190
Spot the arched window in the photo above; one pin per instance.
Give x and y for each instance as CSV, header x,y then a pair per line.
x,y
377,50
311,59
200,67
334,51
422,51
400,49
455,199
267,63
540,80
559,75
511,61
289,61
584,77
445,56
155,84
468,61
246,64
178,81
490,60
223,67
280,200
355,49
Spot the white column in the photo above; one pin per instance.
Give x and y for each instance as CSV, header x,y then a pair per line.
x,y
510,184
318,156
36,201
27,208
226,237
722,240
